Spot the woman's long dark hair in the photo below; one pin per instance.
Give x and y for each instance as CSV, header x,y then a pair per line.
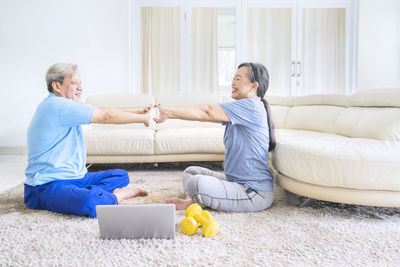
x,y
259,73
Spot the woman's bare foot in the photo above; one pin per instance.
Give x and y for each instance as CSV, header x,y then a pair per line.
x,y
180,204
129,192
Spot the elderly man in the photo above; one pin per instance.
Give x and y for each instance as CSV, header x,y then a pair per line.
x,y
56,176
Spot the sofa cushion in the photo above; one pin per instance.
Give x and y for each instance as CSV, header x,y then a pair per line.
x,y
369,122
186,100
279,114
127,101
189,140
107,127
173,124
313,118
119,141
312,112
122,101
327,99
339,161
372,114
279,100
388,97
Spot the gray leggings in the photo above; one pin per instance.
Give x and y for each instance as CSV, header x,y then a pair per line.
x,y
211,189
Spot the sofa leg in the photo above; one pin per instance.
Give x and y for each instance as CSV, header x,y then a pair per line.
x,y
155,165
296,200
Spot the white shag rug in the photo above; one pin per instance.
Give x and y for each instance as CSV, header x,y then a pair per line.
x,y
322,234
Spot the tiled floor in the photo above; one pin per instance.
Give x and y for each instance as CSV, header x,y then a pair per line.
x,y
12,171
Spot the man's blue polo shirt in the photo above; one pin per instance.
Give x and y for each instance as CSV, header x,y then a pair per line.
x,y
56,149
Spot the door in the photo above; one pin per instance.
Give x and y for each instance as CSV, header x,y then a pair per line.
x,y
305,44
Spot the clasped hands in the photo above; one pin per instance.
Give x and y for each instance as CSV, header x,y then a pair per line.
x,y
162,115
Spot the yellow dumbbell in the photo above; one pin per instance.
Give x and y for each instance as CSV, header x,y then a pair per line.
x,y
195,217
189,224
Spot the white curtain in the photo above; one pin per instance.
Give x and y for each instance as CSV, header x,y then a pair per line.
x,y
323,48
204,50
160,33
269,42
323,64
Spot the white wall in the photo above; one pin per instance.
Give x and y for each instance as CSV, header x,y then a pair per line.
x,y
379,44
96,35
35,34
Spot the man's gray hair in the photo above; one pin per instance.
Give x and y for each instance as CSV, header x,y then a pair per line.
x,y
57,73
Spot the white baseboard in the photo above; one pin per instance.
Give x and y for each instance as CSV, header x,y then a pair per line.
x,y
13,150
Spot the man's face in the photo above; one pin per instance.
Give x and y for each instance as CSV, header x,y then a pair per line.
x,y
71,87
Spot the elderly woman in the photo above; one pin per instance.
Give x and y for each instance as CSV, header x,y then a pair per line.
x,y
56,176
246,184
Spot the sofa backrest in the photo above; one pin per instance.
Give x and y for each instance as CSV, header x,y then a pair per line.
x,y
123,101
134,102
186,100
373,114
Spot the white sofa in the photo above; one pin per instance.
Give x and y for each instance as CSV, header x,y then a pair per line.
x,y
336,148
340,148
171,141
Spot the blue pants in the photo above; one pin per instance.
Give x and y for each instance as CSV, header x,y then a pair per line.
x,y
78,196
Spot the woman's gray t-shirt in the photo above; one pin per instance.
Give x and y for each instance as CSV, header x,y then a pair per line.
x,y
246,141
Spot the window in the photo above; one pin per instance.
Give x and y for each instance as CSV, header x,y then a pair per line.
x,y
204,50
213,49
226,49
194,46
269,35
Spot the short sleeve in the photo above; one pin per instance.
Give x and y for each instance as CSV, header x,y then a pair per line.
x,y
73,113
240,112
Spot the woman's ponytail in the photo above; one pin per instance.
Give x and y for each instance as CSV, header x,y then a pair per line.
x,y
271,126
259,73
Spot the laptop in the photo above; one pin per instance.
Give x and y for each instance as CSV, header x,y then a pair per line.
x,y
136,221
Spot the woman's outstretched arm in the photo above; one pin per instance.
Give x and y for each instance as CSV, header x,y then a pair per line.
x,y
203,112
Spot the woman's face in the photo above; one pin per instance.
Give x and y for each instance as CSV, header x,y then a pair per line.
x,y
242,87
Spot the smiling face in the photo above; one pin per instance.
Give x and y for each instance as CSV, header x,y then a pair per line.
x,y
70,88
242,87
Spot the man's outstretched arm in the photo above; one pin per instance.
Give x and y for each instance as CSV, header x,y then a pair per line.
x,y
119,116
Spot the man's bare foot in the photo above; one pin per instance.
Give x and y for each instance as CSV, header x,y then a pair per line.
x,y
180,204
129,192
